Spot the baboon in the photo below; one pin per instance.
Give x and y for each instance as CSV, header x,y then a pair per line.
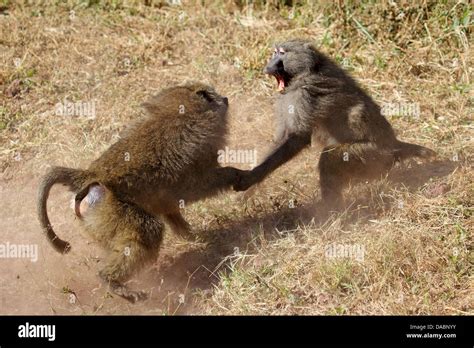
x,y
319,102
166,159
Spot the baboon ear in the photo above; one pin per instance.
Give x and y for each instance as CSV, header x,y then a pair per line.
x,y
150,106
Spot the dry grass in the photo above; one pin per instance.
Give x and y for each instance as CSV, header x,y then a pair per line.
x,y
415,227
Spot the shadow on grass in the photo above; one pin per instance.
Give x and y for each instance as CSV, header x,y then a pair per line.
x,y
199,268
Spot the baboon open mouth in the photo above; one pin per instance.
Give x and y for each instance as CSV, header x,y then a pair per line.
x,y
281,82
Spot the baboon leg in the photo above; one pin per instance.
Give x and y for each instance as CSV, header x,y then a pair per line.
x,y
136,243
119,268
180,226
331,180
340,164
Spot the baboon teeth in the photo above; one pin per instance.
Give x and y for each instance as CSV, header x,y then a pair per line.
x,y
281,82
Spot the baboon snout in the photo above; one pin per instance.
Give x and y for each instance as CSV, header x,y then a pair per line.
x,y
226,100
274,66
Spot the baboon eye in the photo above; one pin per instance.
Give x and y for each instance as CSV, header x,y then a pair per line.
x,y
278,51
205,94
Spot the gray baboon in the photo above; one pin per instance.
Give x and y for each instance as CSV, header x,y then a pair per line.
x,y
164,159
319,102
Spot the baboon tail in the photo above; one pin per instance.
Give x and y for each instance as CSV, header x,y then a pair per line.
x,y
74,179
407,150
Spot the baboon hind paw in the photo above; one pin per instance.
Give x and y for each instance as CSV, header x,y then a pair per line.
x,y
127,294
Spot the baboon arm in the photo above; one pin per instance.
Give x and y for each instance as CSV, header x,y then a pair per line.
x,y
289,148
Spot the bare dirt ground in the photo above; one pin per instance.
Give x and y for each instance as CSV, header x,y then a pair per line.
x,y
264,251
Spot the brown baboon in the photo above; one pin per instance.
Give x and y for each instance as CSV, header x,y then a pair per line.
x,y
163,160
319,102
